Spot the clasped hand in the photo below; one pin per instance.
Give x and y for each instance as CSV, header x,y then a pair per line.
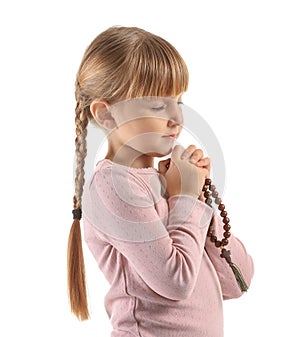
x,y
183,158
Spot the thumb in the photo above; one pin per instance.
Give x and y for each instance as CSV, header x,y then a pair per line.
x,y
163,165
177,152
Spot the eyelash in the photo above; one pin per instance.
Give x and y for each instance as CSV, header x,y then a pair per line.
x,y
163,106
159,108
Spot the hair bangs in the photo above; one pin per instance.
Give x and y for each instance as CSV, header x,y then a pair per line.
x,y
156,69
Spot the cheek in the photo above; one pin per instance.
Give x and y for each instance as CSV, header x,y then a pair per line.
x,y
146,125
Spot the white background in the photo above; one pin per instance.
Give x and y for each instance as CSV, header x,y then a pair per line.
x,y
243,58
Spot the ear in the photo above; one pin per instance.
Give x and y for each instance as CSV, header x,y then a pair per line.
x,y
102,115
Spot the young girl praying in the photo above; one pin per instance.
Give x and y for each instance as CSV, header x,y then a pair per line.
x,y
153,232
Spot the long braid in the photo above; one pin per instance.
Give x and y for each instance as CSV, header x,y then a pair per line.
x,y
81,121
76,269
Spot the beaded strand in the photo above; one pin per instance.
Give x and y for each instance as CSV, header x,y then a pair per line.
x,y
210,191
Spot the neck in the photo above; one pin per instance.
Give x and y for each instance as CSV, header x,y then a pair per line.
x,y
129,157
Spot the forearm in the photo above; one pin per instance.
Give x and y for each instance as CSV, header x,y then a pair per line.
x,y
170,265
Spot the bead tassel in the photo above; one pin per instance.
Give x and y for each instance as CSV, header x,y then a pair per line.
x,y
239,277
226,254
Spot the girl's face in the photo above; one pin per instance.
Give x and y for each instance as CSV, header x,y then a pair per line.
x,y
144,125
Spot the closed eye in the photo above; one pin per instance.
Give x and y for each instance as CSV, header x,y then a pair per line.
x,y
162,107
159,107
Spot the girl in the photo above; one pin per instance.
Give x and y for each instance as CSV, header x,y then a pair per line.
x,y
147,229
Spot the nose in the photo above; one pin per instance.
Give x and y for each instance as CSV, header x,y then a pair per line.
x,y
176,117
172,122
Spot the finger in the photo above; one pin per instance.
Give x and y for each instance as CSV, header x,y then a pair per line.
x,y
204,162
163,165
196,156
202,166
177,152
188,151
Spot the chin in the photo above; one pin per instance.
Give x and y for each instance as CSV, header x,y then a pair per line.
x,y
158,154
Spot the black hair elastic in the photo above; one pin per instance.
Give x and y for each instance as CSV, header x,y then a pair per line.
x,y
77,213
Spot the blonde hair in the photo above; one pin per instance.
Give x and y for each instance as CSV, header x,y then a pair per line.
x,y
120,63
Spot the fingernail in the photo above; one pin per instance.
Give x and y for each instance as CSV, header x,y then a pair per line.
x,y
193,160
185,155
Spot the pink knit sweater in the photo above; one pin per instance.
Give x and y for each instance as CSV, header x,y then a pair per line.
x,y
166,277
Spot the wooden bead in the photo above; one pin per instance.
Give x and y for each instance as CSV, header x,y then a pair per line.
x,y
212,188
227,227
223,214
207,181
215,194
207,194
221,207
205,188
218,244
225,242
218,201
208,201
226,220
227,235
213,238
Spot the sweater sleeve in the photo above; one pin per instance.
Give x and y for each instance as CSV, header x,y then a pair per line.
x,y
239,257
167,257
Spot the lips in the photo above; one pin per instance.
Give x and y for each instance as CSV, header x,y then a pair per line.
x,y
174,135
